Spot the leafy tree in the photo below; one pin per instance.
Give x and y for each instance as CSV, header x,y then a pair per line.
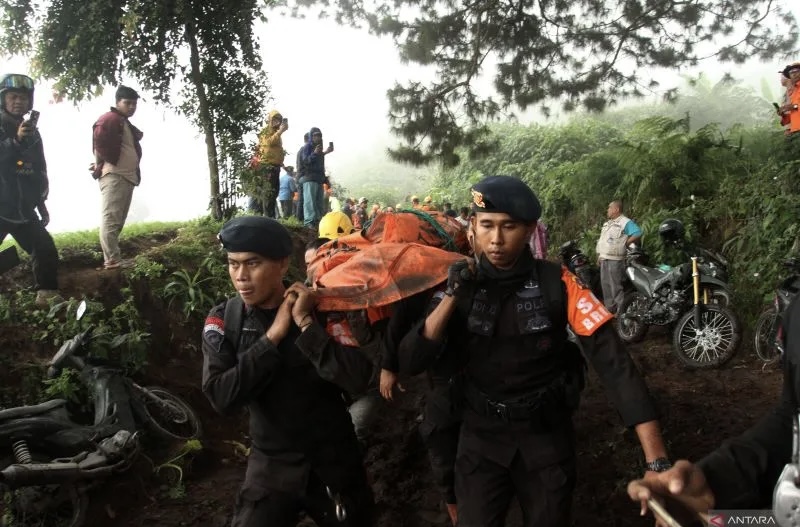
x,y
204,47
582,53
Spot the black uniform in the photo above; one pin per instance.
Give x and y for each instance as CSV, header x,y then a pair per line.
x,y
742,472
520,383
23,187
302,436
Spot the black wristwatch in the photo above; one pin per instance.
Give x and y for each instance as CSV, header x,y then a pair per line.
x,y
660,464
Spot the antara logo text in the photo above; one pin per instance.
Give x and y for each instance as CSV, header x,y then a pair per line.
x,y
720,520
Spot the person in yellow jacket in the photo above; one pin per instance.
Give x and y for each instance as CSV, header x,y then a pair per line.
x,y
269,162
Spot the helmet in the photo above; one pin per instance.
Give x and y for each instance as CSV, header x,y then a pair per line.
x,y
335,224
428,199
362,200
671,230
16,82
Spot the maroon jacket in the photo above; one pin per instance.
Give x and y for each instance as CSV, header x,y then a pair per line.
x,y
107,140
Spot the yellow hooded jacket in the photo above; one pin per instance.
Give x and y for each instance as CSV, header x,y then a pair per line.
x,y
270,144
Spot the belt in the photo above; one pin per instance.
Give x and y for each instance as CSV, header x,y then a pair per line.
x,y
536,406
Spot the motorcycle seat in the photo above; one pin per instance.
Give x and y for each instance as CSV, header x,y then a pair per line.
x,y
31,411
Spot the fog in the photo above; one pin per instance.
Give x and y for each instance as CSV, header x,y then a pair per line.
x,y
320,75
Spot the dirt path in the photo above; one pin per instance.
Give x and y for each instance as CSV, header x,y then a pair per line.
x,y
700,409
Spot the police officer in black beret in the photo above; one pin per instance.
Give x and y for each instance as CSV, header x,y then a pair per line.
x,y
265,350
504,315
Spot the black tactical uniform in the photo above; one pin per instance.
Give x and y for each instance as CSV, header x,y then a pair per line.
x,y
520,383
304,454
742,473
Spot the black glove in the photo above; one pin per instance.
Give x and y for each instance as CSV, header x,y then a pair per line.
x,y
458,275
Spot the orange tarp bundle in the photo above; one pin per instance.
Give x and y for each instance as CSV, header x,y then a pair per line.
x,y
381,274
399,255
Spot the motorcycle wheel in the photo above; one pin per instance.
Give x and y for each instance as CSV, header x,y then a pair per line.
x,y
59,505
629,329
764,336
713,344
168,415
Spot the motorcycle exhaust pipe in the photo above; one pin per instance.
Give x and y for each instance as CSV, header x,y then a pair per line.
x,y
30,474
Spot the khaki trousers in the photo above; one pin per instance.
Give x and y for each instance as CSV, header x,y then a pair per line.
x,y
116,192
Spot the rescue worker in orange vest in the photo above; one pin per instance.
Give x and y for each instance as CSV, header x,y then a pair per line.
x,y
504,317
792,107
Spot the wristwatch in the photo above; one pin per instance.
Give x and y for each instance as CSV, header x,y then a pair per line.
x,y
660,464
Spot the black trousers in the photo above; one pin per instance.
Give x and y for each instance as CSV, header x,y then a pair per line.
x,y
36,241
484,490
257,506
440,428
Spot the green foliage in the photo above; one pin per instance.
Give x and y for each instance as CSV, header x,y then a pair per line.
x,y
582,55
223,85
172,470
737,190
65,386
197,292
146,269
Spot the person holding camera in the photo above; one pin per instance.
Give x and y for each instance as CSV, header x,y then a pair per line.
x,y
117,152
314,177
270,161
24,185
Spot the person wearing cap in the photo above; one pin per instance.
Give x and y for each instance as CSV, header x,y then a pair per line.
x,y
24,185
281,364
117,153
502,323
415,202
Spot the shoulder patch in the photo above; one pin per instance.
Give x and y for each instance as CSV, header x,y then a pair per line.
x,y
584,311
215,325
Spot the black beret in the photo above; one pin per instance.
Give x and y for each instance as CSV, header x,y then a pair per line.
x,y
123,92
256,234
506,194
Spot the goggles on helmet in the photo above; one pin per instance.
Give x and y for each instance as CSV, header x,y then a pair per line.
x,y
15,81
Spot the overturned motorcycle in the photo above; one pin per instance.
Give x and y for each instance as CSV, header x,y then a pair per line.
x,y
706,333
49,460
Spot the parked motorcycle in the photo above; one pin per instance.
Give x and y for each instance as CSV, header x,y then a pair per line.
x,y
706,334
48,460
578,263
768,336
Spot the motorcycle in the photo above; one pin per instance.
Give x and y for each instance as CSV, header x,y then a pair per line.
x,y
578,264
768,336
706,335
49,460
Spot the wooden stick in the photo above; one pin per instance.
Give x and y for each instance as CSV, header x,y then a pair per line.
x,y
662,513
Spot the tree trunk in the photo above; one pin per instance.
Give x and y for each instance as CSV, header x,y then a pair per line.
x,y
205,118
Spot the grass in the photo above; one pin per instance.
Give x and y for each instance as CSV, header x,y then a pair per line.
x,y
90,239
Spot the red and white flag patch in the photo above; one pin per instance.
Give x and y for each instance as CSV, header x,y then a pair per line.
x,y
214,324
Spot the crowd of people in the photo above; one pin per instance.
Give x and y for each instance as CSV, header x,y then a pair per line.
x,y
505,374
492,338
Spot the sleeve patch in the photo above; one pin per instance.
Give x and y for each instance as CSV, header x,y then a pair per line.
x,y
215,325
584,311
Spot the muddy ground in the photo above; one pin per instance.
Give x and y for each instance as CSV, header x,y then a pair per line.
x,y
700,409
